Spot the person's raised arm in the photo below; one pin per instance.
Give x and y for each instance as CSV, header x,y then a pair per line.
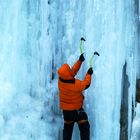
x,y
77,65
87,80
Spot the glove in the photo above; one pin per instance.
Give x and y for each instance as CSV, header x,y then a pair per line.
x,y
81,58
90,71
83,39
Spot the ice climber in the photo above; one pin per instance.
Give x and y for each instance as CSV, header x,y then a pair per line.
x,y
71,99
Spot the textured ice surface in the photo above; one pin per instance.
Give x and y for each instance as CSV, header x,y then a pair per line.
x,y
136,125
36,37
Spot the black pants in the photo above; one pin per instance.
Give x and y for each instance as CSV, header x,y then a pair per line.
x,y
75,116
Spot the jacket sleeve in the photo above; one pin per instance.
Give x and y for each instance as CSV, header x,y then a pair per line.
x,y
86,82
76,67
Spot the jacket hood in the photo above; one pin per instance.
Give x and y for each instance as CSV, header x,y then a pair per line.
x,y
65,72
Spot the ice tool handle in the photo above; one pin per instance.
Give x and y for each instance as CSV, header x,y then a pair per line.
x,y
91,59
81,44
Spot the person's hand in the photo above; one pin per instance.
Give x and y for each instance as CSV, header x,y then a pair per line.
x,y
81,58
90,71
82,39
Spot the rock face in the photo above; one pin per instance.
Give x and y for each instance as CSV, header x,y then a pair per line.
x,y
138,91
124,105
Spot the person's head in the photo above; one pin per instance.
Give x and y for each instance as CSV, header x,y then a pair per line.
x,y
65,72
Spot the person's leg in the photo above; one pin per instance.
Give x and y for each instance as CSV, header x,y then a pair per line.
x,y
84,130
69,119
68,129
83,124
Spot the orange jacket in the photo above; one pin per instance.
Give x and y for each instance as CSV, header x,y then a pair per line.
x,y
70,89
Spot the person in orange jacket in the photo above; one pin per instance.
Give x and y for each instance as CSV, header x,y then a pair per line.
x,y
71,99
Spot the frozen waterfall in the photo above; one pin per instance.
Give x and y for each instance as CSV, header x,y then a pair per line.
x,y
38,36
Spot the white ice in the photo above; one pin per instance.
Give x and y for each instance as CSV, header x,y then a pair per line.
x,y
37,37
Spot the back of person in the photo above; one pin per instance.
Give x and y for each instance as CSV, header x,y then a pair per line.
x,y
71,99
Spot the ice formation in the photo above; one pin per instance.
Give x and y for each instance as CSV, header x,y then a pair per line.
x,y
38,36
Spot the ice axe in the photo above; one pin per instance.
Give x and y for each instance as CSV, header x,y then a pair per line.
x,y
91,59
81,44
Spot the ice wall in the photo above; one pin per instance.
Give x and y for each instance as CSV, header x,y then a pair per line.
x,y
26,90
36,37
136,122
